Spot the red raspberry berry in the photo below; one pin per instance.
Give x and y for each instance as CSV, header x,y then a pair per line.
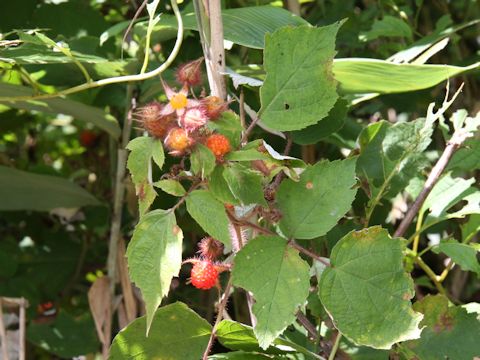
x,y
219,145
88,138
204,275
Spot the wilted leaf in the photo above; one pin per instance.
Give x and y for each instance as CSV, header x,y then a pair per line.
x,y
449,332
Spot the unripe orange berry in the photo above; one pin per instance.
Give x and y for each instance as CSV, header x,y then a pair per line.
x,y
178,141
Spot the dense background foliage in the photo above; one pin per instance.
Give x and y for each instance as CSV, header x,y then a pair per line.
x,y
56,214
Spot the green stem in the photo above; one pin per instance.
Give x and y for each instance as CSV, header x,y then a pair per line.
x,y
118,79
151,24
384,186
298,348
450,265
445,272
431,275
416,239
335,346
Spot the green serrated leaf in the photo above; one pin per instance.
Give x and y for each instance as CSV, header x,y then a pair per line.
x,y
158,154
140,154
367,292
202,161
177,333
391,155
219,187
280,291
237,336
462,254
470,227
299,89
446,193
389,26
241,355
172,187
467,158
146,196
247,155
448,333
154,257
210,214
244,184
330,124
313,205
142,150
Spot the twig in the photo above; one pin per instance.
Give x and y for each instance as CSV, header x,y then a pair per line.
x,y
452,146
293,6
210,26
335,346
241,105
221,309
22,328
217,50
85,240
281,175
118,79
119,192
246,134
246,223
236,224
3,334
129,28
184,197
311,329
301,249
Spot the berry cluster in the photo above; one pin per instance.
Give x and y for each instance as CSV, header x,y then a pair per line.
x,y
181,123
